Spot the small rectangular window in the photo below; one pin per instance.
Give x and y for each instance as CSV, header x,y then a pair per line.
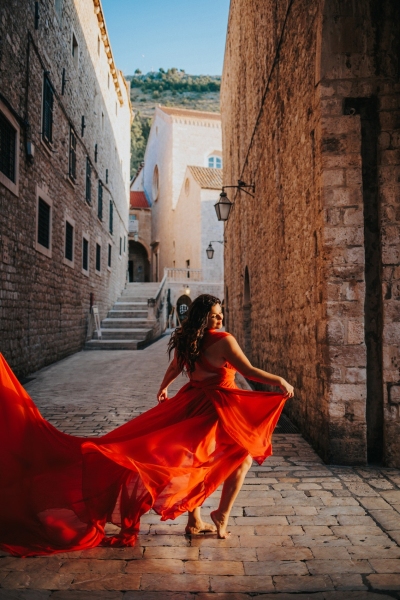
x,y
43,232
69,241
75,50
100,201
72,154
109,255
88,181
111,217
85,254
98,257
47,120
120,246
98,45
8,137
124,243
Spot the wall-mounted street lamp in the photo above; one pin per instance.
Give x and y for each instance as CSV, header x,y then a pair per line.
x,y
210,250
187,290
224,205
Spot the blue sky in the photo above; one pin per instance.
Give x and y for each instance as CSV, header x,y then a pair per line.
x,y
149,34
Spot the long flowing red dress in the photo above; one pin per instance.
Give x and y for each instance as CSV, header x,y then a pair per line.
x,y
58,491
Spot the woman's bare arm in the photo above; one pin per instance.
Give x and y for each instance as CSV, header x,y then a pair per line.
x,y
232,352
170,375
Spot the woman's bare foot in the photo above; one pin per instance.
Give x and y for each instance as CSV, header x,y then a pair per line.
x,y
199,527
221,524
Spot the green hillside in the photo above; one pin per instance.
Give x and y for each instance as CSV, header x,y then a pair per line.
x,y
169,88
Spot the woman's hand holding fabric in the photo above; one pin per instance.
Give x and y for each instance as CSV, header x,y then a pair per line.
x,y
162,395
286,388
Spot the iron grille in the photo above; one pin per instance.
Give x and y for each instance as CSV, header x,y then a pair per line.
x,y
48,94
44,224
8,137
69,241
111,217
88,181
100,201
85,255
72,154
109,255
98,257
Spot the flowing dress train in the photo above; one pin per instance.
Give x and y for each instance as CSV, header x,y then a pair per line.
x,y
58,491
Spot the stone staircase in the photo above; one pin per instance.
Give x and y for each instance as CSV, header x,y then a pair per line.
x,y
127,326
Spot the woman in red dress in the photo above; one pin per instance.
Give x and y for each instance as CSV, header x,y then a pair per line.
x,y
58,491
211,356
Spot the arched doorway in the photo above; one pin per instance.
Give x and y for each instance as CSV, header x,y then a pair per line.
x,y
247,314
182,306
138,263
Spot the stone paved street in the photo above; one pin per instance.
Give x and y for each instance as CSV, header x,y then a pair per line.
x,y
301,530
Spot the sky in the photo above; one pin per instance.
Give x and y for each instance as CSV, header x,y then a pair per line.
x,y
149,34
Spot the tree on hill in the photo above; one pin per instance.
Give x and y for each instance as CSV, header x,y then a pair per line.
x,y
140,130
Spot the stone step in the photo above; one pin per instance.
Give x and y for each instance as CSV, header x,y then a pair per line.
x,y
124,334
139,305
127,314
113,345
118,323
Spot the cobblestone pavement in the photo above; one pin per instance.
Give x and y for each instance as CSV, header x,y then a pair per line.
x,y
301,530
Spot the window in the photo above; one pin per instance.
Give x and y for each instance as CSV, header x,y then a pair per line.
x,y
98,45
108,80
155,183
109,256
102,121
88,181
72,154
124,244
69,242
188,268
120,246
111,218
100,200
187,186
43,234
85,255
215,162
47,120
106,175
75,50
9,145
98,258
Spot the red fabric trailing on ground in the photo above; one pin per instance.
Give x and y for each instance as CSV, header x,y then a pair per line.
x,y
58,491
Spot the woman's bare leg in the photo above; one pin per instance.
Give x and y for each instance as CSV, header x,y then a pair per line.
x,y
230,490
196,524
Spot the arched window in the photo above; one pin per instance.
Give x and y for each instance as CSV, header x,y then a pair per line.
x,y
215,162
155,187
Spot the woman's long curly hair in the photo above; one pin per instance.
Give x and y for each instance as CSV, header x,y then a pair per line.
x,y
187,338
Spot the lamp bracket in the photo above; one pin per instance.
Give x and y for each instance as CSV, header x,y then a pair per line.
x,y
240,186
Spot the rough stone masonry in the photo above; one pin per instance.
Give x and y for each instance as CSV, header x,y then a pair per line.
x,y
311,116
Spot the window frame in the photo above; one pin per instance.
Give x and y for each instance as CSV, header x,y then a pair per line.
x,y
4,180
111,218
88,180
42,193
100,192
72,155
97,245
71,222
109,257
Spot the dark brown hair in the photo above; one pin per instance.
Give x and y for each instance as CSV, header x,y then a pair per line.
x,y
187,338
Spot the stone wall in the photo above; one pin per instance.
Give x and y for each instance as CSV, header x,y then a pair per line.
x,y
310,109
44,298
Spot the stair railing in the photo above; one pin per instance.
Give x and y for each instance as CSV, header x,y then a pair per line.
x,y
156,307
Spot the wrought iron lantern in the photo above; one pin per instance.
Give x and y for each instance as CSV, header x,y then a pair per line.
x,y
224,206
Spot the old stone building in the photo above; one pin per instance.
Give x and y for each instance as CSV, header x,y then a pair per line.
x,y
64,177
139,237
311,116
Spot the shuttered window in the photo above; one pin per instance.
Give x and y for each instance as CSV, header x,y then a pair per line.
x,y
100,201
69,241
43,233
98,257
111,217
8,136
85,255
48,99
88,181
72,154
109,255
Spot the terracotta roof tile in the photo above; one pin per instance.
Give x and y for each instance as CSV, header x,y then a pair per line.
x,y
194,114
138,200
207,178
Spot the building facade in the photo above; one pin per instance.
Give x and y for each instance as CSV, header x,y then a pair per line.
x,y
178,138
64,178
311,116
139,238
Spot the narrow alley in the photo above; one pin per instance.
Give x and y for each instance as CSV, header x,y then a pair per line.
x,y
300,529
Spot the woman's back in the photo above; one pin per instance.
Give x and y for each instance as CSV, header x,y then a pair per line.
x,y
211,361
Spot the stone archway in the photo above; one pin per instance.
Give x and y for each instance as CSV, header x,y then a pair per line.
x,y
247,315
138,263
